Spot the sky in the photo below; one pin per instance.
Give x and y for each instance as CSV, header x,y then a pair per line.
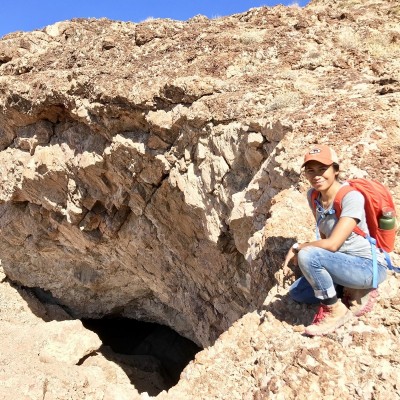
x,y
27,15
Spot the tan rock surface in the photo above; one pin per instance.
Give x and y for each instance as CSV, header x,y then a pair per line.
x,y
152,171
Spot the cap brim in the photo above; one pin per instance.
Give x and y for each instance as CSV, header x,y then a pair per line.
x,y
322,160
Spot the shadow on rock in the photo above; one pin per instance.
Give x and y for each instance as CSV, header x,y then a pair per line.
x,y
284,309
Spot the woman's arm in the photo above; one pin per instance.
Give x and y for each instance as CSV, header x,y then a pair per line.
x,y
352,212
353,206
340,233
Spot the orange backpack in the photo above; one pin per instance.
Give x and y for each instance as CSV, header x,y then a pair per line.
x,y
377,197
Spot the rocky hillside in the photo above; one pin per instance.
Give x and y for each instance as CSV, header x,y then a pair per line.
x,y
152,171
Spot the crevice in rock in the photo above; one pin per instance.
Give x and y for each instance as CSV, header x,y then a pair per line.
x,y
5,59
152,355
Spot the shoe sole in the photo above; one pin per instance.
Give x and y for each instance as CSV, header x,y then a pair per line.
x,y
368,306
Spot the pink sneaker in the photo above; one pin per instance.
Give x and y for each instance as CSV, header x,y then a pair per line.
x,y
328,318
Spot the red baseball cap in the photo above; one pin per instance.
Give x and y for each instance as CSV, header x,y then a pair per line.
x,y
321,153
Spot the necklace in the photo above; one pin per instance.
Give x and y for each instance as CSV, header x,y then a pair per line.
x,y
326,204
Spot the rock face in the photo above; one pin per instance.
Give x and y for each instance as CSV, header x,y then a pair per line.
x,y
152,171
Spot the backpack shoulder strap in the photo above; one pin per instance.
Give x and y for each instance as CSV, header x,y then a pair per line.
x,y
337,202
314,197
337,205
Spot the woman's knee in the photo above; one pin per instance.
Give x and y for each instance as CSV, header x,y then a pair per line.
x,y
306,255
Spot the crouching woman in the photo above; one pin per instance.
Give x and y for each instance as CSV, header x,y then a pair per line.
x,y
340,256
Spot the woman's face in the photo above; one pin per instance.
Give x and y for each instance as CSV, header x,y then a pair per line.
x,y
320,176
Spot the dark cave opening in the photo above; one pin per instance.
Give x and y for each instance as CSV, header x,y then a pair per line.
x,y
152,355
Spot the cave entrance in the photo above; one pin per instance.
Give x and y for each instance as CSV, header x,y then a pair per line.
x,y
152,355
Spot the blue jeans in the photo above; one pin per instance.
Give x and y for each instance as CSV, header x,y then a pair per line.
x,y
323,269
302,292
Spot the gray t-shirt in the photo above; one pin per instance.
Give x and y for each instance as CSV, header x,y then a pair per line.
x,y
353,207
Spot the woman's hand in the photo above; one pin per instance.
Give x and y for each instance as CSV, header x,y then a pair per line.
x,y
291,255
287,272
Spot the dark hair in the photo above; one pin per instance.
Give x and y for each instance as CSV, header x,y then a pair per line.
x,y
336,167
